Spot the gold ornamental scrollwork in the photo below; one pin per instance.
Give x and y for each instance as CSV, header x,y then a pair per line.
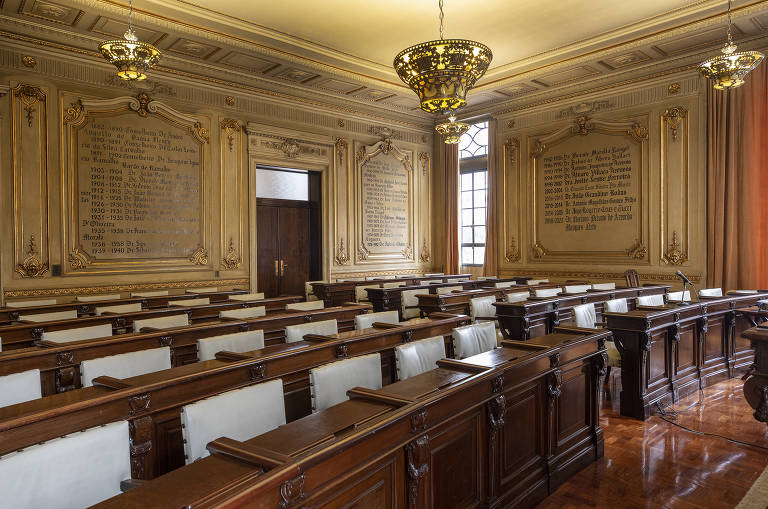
x,y
512,253
675,255
73,112
424,256
341,148
342,256
199,256
407,252
32,265
290,148
29,97
673,118
231,260
78,260
362,253
638,251
583,126
539,251
231,127
424,162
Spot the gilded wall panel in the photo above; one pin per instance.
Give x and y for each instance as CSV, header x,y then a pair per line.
x,y
233,195
511,201
674,147
425,206
343,185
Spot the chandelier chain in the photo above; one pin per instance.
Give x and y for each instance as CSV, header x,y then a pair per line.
x,y
130,15
441,18
730,22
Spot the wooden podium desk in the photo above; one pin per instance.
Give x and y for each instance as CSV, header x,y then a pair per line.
x,y
501,429
458,302
670,351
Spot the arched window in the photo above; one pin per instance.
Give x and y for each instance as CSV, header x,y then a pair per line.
x,y
473,168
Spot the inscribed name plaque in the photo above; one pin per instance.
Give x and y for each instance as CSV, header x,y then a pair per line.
x,y
385,199
136,179
588,193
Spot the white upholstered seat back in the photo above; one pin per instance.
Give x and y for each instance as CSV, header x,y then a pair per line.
x,y
547,292
616,306
432,282
295,333
366,320
238,342
205,289
240,414
584,315
49,317
244,313
79,334
482,307
361,295
518,296
392,285
71,472
742,292
162,322
30,303
711,292
650,300
18,388
411,303
430,274
331,382
679,296
126,365
306,306
202,301
120,308
577,288
97,298
247,296
155,293
417,357
505,284
474,339
534,282
449,289
604,286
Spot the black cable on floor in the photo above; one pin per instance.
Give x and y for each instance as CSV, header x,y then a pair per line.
x,y
663,413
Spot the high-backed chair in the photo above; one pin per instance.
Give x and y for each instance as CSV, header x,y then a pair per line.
x,y
604,286
518,296
238,342
584,315
71,472
679,296
365,321
309,291
18,388
49,317
449,289
416,357
163,322
78,334
577,288
474,339
505,284
631,278
134,307
650,300
711,292
616,306
534,282
205,289
30,303
244,313
240,414
246,296
295,333
305,306
329,383
742,292
392,285
547,292
361,295
411,303
614,357
155,293
126,365
482,308
97,298
200,301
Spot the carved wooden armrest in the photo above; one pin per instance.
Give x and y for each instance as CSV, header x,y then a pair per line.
x,y
129,484
225,355
458,365
380,397
257,456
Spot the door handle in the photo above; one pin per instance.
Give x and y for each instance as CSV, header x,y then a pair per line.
x,y
276,271
283,265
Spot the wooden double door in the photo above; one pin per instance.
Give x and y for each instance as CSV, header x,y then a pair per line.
x,y
289,253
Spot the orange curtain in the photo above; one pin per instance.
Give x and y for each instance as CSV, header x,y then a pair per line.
x,y
737,184
450,161
491,247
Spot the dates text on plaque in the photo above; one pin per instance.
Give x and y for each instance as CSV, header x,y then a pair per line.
x,y
385,200
135,174
588,200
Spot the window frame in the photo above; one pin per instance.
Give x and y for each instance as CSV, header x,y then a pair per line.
x,y
472,166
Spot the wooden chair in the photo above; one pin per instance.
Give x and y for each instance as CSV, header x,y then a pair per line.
x,y
78,334
366,320
651,300
97,298
604,286
120,308
330,383
474,339
449,289
410,303
547,292
295,333
30,303
418,357
201,301
244,313
246,296
632,278
20,387
711,292
125,365
306,306
518,296
207,348
482,309
50,317
505,284
163,322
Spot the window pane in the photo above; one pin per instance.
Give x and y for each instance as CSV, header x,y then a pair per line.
x,y
479,255
466,256
466,217
466,181
480,197
480,177
466,235
479,235
480,216
466,199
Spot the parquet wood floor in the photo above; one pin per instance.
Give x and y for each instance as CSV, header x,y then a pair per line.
x,y
655,464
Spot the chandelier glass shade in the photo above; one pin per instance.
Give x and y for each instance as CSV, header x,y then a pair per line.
x,y
442,71
452,130
131,56
729,69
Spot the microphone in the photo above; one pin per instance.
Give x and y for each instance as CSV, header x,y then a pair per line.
x,y
682,276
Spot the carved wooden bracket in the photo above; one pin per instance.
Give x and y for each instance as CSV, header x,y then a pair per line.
x,y
417,460
292,491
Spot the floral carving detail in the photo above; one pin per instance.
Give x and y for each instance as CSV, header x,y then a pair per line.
x,y
32,265
292,491
290,148
199,256
675,255
78,260
673,117
512,253
424,256
342,256
230,127
29,97
638,251
231,260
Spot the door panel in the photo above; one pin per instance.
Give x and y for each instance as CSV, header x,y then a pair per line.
x,y
267,235
295,249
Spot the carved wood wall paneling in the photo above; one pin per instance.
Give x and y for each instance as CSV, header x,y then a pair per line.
x,y
674,139
29,146
343,186
425,206
233,184
511,199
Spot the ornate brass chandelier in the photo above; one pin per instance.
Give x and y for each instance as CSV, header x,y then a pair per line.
x,y
131,56
729,69
452,130
441,72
